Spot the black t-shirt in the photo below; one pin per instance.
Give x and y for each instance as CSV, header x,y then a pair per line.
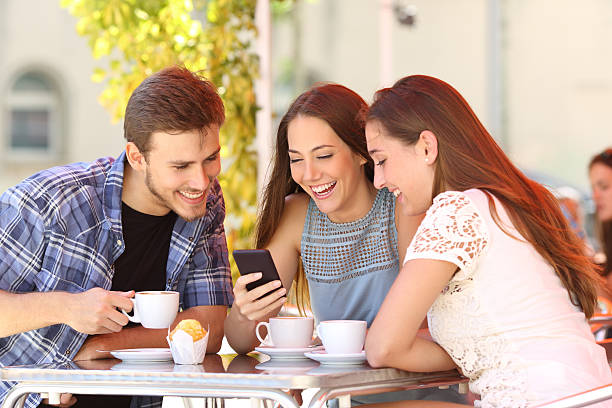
x,y
141,266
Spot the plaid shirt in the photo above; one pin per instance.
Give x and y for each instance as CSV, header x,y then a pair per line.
x,y
60,230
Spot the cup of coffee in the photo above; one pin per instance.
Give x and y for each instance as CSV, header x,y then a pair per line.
x,y
288,332
155,309
342,336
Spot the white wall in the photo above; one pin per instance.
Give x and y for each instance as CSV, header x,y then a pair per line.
x,y
39,34
557,69
555,56
559,83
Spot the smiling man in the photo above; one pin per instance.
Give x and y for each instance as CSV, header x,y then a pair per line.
x,y
77,241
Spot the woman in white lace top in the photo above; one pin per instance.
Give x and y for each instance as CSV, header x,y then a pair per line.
x,y
494,264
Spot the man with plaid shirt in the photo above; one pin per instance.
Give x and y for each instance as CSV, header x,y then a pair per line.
x,y
77,241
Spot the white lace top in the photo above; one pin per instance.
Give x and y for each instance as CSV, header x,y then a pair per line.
x,y
504,318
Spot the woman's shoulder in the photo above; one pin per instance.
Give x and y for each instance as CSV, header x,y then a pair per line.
x,y
475,197
453,230
296,203
294,212
474,194
289,229
461,205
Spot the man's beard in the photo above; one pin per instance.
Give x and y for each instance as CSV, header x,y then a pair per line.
x,y
151,186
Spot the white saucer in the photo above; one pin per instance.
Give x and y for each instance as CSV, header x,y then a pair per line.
x,y
339,359
287,366
143,354
336,368
148,366
286,353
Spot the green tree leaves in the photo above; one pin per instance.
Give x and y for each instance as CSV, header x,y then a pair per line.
x,y
135,38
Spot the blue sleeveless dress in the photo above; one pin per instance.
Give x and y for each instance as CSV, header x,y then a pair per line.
x,y
350,266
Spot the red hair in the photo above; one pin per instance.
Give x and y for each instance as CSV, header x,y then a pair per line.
x,y
468,157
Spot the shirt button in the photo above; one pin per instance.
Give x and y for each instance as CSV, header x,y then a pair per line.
x,y
119,242
191,238
67,352
169,281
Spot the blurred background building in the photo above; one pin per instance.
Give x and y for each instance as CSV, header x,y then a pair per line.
x,y
50,114
537,72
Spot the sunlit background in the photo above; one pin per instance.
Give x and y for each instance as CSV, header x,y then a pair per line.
x,y
537,72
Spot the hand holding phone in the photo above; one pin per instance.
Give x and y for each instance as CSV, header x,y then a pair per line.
x,y
256,260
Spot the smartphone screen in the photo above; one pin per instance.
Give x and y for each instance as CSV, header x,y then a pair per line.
x,y
256,260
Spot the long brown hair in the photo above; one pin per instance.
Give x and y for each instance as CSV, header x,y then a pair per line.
x,y
468,157
604,227
339,107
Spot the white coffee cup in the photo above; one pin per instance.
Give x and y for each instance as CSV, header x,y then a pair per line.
x,y
288,332
342,336
155,309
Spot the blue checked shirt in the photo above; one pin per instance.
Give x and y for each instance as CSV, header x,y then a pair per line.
x,y
60,230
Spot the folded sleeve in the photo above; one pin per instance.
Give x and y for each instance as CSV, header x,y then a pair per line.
x,y
21,241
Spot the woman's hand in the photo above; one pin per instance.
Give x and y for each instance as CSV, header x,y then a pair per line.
x,y
248,310
248,303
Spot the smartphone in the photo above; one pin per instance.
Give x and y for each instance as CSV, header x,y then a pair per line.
x,y
256,260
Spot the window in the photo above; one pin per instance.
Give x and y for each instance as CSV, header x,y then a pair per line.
x,y
34,117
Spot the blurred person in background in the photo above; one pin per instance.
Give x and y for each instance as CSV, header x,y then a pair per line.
x,y
600,176
570,202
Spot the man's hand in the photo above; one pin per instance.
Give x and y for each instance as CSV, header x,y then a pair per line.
x,y
66,400
95,311
88,350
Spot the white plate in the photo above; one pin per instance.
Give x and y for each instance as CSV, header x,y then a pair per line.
x,y
337,368
288,365
148,366
324,358
286,353
143,354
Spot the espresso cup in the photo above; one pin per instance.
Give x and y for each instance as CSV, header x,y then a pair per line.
x,y
342,336
154,309
288,332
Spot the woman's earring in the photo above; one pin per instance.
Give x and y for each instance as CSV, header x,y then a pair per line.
x,y
426,160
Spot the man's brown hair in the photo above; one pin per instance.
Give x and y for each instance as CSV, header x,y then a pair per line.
x,y
171,100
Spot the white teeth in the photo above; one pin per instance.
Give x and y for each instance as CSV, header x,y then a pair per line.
x,y
192,196
322,187
396,193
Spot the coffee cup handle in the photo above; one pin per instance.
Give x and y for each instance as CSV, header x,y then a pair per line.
x,y
320,332
263,341
136,317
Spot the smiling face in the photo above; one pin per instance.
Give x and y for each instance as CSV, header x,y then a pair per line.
x,y
327,169
177,173
406,170
600,176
